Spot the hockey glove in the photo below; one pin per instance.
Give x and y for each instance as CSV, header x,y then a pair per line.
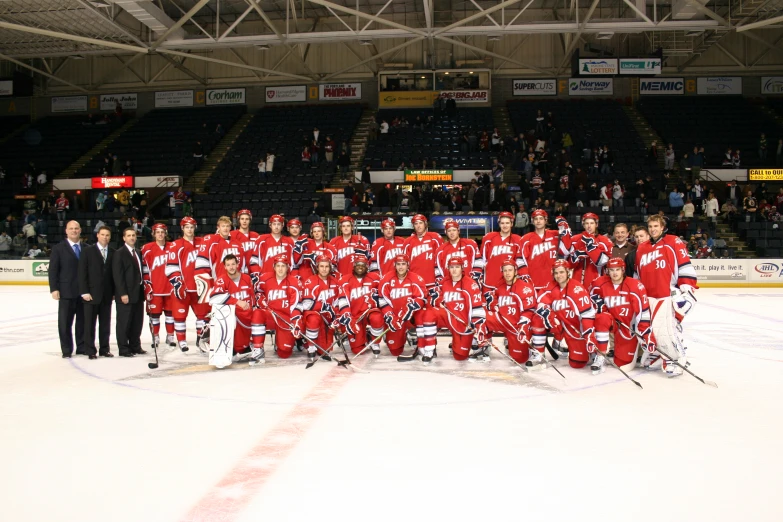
x,y
577,255
391,322
589,340
255,277
684,300
598,301
481,334
411,308
476,276
300,245
361,252
179,287
296,327
434,295
310,256
328,312
562,226
522,337
545,313
589,243
344,321
148,292
650,346
489,297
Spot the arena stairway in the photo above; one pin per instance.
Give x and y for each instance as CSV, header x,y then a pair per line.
x,y
647,133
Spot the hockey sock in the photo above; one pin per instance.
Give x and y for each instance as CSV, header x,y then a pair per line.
x,y
169,325
602,341
200,327
257,335
155,324
180,328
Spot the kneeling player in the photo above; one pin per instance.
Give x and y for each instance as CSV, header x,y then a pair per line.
x,y
565,309
320,306
513,305
402,297
622,307
361,290
278,295
235,288
458,306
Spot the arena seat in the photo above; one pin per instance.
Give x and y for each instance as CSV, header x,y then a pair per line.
x,y
9,124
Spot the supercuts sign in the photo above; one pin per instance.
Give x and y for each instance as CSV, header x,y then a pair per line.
x,y
112,182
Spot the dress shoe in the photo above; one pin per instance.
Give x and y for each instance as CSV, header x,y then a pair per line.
x,y
107,354
126,355
68,356
80,353
140,352
91,357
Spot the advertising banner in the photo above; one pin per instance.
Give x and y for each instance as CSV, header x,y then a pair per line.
x,y
597,66
661,86
112,182
7,88
534,87
469,224
734,271
772,85
406,99
340,91
765,174
765,270
640,66
174,99
286,94
720,85
129,101
69,103
593,87
24,271
429,176
475,96
225,96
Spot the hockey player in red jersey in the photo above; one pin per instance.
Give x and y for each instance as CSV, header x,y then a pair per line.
x,y
512,309
459,306
420,248
566,310
158,289
385,249
243,235
403,297
361,290
323,307
180,272
209,263
589,252
280,293
268,247
295,233
348,244
466,249
622,308
495,248
236,288
540,250
664,268
307,250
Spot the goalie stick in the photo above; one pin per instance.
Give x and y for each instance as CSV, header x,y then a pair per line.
x,y
374,341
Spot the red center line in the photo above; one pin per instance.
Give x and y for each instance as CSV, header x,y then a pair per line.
x,y
226,500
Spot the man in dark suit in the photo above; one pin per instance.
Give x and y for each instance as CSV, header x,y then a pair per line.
x,y
64,286
128,295
96,285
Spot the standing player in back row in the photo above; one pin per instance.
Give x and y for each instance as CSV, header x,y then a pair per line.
x,y
243,235
269,247
155,257
209,263
664,268
385,249
540,250
589,251
420,248
455,246
348,244
496,247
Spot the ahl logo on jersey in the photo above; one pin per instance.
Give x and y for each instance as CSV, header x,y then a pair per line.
x,y
232,250
159,261
391,254
614,301
418,250
248,246
358,293
344,252
650,257
543,248
191,259
276,295
451,297
506,300
326,295
397,293
559,304
274,251
500,250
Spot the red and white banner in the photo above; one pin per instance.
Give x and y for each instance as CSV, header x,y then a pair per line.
x,y
477,96
340,91
112,182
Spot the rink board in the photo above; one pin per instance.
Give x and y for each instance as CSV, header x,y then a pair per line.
x,y
713,273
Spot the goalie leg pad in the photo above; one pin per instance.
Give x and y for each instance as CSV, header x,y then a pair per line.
x,y
221,335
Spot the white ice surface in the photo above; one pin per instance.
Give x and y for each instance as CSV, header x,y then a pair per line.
x,y
110,440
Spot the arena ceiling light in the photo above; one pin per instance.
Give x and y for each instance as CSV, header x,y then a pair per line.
x,y
365,42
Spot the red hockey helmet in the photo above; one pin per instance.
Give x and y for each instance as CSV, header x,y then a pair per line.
x,y
187,220
508,261
455,261
317,224
294,222
388,223
539,212
245,211
451,224
560,263
359,259
615,262
419,217
322,259
282,258
590,215
508,215
346,219
160,226
402,258
277,218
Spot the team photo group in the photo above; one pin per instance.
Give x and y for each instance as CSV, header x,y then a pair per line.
x,y
318,295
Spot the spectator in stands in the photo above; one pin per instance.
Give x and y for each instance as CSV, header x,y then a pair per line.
x,y
735,159
329,151
733,192
750,207
728,211
100,201
495,141
348,193
728,158
779,199
764,208
761,191
306,156
262,167
540,123
270,163
676,200
703,251
669,158
618,192
187,207
778,156
9,225
179,200
366,176
696,163
497,172
116,166
606,162
127,169
123,198
41,180
652,154
368,200
220,131
484,141
198,150
697,192
384,128
688,209
606,196
343,162
28,230
763,149
711,208
5,243
568,142
521,220
63,206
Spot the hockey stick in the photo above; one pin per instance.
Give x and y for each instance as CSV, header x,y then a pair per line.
x,y
154,365
507,356
374,341
291,328
517,334
548,346
341,342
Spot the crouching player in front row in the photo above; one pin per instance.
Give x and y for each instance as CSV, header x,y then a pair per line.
x,y
361,290
622,308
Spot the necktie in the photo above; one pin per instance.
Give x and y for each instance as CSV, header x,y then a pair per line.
x,y
136,258
103,253
77,250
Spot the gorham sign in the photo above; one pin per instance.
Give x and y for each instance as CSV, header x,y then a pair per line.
x,y
226,96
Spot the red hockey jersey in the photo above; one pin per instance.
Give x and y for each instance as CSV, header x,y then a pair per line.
x,y
394,293
571,306
283,295
324,296
627,303
588,263
540,253
345,250
248,241
362,293
312,251
155,258
510,301
183,261
227,291
465,249
664,264
383,253
494,249
210,258
267,248
422,250
464,299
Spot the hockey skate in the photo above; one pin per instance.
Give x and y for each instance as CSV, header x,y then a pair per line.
x,y
376,350
171,340
427,359
651,361
155,341
257,356
412,338
598,365
560,347
183,345
311,356
535,361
